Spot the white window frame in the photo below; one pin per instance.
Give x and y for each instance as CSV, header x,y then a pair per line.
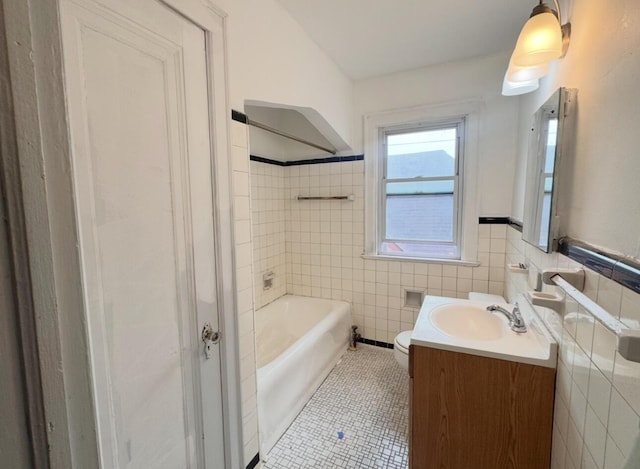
x,y
375,127
385,132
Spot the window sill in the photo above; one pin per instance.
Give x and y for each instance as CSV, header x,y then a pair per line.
x,y
425,260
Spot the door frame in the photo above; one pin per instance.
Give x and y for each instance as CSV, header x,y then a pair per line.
x,y
45,200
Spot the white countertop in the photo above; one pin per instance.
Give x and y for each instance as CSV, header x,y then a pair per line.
x,y
535,347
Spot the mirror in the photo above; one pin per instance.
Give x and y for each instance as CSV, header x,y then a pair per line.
x,y
540,224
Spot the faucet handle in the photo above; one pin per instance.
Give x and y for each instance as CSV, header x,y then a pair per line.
x,y
518,325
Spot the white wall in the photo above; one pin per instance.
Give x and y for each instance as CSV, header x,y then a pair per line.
x,y
457,81
272,60
597,405
604,65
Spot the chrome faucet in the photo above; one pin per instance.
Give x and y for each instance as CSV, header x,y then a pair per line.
x,y
515,318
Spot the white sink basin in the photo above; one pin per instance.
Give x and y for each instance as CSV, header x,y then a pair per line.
x,y
468,322
466,326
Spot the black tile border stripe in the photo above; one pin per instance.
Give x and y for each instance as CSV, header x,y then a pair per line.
x,y
493,220
330,159
239,117
588,257
627,275
261,159
621,270
517,225
377,343
254,462
501,221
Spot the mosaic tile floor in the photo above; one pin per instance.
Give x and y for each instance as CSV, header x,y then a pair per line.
x,y
366,398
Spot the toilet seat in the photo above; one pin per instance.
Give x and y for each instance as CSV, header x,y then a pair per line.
x,y
401,348
402,341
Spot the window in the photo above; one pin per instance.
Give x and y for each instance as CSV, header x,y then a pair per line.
x,y
420,183
420,189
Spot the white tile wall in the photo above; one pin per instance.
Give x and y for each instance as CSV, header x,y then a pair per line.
x,y
597,412
324,241
244,286
268,191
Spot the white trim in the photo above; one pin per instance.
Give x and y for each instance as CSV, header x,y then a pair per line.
x,y
33,32
376,122
459,125
22,349
420,260
212,19
35,56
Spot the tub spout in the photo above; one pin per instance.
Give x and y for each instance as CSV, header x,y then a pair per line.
x,y
355,337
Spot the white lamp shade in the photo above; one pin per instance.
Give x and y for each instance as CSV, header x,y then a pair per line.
x,y
517,74
510,88
540,41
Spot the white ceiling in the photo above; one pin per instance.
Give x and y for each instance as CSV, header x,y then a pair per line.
x,y
369,38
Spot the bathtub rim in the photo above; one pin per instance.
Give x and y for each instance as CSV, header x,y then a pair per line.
x,y
334,318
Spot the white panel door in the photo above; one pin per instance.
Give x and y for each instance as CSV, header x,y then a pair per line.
x,y
136,82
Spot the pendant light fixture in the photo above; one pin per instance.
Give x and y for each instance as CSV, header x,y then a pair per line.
x,y
512,88
542,40
518,74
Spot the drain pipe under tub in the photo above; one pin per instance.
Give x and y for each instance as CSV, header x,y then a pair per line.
x,y
355,337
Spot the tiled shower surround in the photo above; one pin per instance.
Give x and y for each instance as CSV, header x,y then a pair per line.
x,y
244,288
597,407
319,252
268,189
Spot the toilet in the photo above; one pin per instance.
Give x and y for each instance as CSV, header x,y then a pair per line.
x,y
401,349
403,339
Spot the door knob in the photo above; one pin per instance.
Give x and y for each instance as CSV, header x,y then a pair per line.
x,y
209,337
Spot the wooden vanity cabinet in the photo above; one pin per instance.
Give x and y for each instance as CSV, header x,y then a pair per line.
x,y
471,412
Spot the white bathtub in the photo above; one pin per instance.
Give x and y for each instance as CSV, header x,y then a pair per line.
x,y
298,341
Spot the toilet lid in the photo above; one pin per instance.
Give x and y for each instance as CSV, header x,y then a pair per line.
x,y
403,340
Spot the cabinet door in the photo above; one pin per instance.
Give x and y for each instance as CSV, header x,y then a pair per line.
x,y
481,413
